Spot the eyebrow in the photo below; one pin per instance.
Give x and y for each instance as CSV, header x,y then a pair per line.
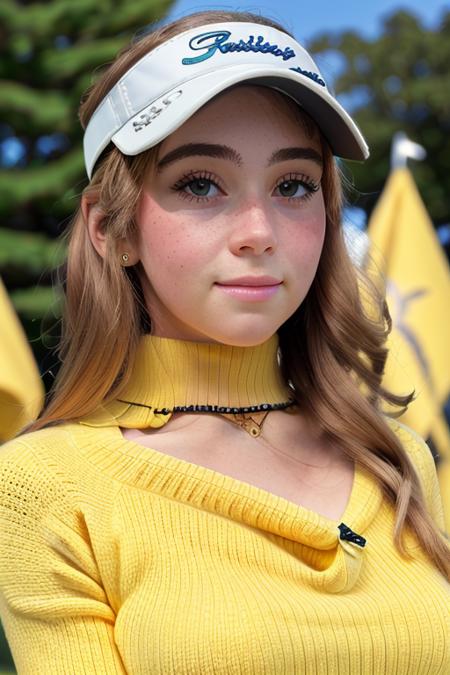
x,y
295,153
200,149
225,152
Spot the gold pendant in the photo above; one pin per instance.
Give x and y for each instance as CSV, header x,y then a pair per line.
x,y
252,427
251,423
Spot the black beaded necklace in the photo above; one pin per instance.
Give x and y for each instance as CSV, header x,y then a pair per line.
x,y
250,418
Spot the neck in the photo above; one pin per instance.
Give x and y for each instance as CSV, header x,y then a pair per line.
x,y
170,375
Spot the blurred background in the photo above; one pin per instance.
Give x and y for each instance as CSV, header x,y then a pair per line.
x,y
388,64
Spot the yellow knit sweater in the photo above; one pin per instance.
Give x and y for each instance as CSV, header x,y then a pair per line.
x,y
116,558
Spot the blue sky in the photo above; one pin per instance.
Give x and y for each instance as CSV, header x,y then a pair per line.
x,y
306,19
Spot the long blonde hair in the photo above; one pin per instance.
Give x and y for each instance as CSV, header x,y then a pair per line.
x,y
330,348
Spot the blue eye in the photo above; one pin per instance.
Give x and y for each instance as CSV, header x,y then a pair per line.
x,y
200,187
296,187
289,188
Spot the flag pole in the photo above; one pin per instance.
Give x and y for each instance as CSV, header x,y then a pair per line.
x,y
402,149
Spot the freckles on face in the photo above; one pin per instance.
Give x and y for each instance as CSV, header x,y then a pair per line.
x,y
245,206
303,248
167,245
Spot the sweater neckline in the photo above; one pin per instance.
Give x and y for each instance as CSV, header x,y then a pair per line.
x,y
328,562
169,374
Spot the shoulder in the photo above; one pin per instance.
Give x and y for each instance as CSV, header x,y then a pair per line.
x,y
48,484
37,447
414,446
32,468
423,462
51,465
50,507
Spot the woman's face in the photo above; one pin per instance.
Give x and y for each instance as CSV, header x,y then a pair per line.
x,y
232,221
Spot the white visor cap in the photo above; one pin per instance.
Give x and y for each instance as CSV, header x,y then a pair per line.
x,y
166,86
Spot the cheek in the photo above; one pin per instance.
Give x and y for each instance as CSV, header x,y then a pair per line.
x,y
166,243
169,261
317,233
316,221
307,238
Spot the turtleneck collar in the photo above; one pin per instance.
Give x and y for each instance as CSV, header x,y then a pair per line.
x,y
170,374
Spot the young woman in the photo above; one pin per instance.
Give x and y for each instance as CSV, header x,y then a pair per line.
x,y
212,487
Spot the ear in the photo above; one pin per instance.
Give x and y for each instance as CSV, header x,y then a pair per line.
x,y
94,217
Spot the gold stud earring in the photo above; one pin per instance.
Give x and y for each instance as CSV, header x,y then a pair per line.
x,y
125,258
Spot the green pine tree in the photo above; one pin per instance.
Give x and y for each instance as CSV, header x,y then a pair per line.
x,y
48,56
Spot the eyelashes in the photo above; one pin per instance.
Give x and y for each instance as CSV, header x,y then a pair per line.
x,y
300,179
198,177
203,180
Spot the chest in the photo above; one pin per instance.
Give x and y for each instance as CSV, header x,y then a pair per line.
x,y
322,489
322,485
204,609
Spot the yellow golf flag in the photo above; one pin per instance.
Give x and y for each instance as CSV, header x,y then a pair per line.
x,y
407,251
21,389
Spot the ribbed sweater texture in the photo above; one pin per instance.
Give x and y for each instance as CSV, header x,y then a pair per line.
x,y
118,558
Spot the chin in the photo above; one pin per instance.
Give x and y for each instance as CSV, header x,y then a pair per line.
x,y
246,336
244,341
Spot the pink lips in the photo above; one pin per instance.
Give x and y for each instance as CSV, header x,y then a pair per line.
x,y
250,289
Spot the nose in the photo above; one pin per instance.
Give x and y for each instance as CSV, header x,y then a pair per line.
x,y
252,231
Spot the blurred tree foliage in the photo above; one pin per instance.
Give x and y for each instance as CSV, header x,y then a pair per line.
x,y
398,82
49,52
